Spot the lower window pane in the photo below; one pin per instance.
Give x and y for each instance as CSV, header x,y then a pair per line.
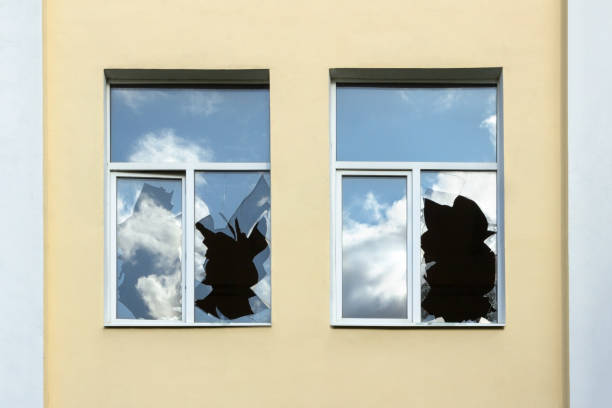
x,y
149,247
232,247
374,243
458,246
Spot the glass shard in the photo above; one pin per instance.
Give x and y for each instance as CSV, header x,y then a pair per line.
x,y
232,254
149,246
189,125
458,246
374,243
399,123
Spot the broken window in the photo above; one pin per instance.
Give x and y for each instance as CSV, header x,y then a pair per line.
x,y
232,250
417,182
458,241
189,206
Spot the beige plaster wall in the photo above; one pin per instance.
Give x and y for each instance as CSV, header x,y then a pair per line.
x,y
300,361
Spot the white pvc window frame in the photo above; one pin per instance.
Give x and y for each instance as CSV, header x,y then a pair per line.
x,y
184,171
114,176
412,172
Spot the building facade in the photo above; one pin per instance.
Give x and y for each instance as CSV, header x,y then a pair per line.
x,y
62,347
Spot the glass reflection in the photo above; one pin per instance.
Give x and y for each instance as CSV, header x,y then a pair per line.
x,y
149,243
189,124
374,247
389,123
458,242
232,247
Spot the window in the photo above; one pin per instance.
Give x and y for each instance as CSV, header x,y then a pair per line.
x,y
417,188
188,211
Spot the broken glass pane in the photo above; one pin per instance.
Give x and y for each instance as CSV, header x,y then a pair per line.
x,y
189,125
149,247
400,123
232,247
374,247
458,246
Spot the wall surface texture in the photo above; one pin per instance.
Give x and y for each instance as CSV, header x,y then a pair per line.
x,y
300,361
21,198
21,178
590,212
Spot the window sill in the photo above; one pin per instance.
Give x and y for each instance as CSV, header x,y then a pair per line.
x,y
150,324
395,324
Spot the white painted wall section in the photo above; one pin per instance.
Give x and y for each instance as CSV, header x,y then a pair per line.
x,y
21,208
590,201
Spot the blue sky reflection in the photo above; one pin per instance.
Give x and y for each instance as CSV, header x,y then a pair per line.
x,y
374,247
149,247
190,125
377,123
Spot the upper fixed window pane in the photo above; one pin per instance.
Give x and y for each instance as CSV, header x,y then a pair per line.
x,y
418,124
190,125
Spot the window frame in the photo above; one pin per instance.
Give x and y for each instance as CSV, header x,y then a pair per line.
x,y
185,171
339,169
113,238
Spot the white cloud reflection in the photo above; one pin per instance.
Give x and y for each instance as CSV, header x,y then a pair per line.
x,y
447,99
136,98
478,186
440,100
374,261
165,146
196,102
203,103
201,211
156,232
490,123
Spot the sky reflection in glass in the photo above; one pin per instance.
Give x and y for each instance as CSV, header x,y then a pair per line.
x,y
190,124
389,123
443,187
149,247
480,186
222,199
374,247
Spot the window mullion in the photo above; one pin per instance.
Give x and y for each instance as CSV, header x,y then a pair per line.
x,y
188,278
180,166
416,245
409,254
112,284
338,245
